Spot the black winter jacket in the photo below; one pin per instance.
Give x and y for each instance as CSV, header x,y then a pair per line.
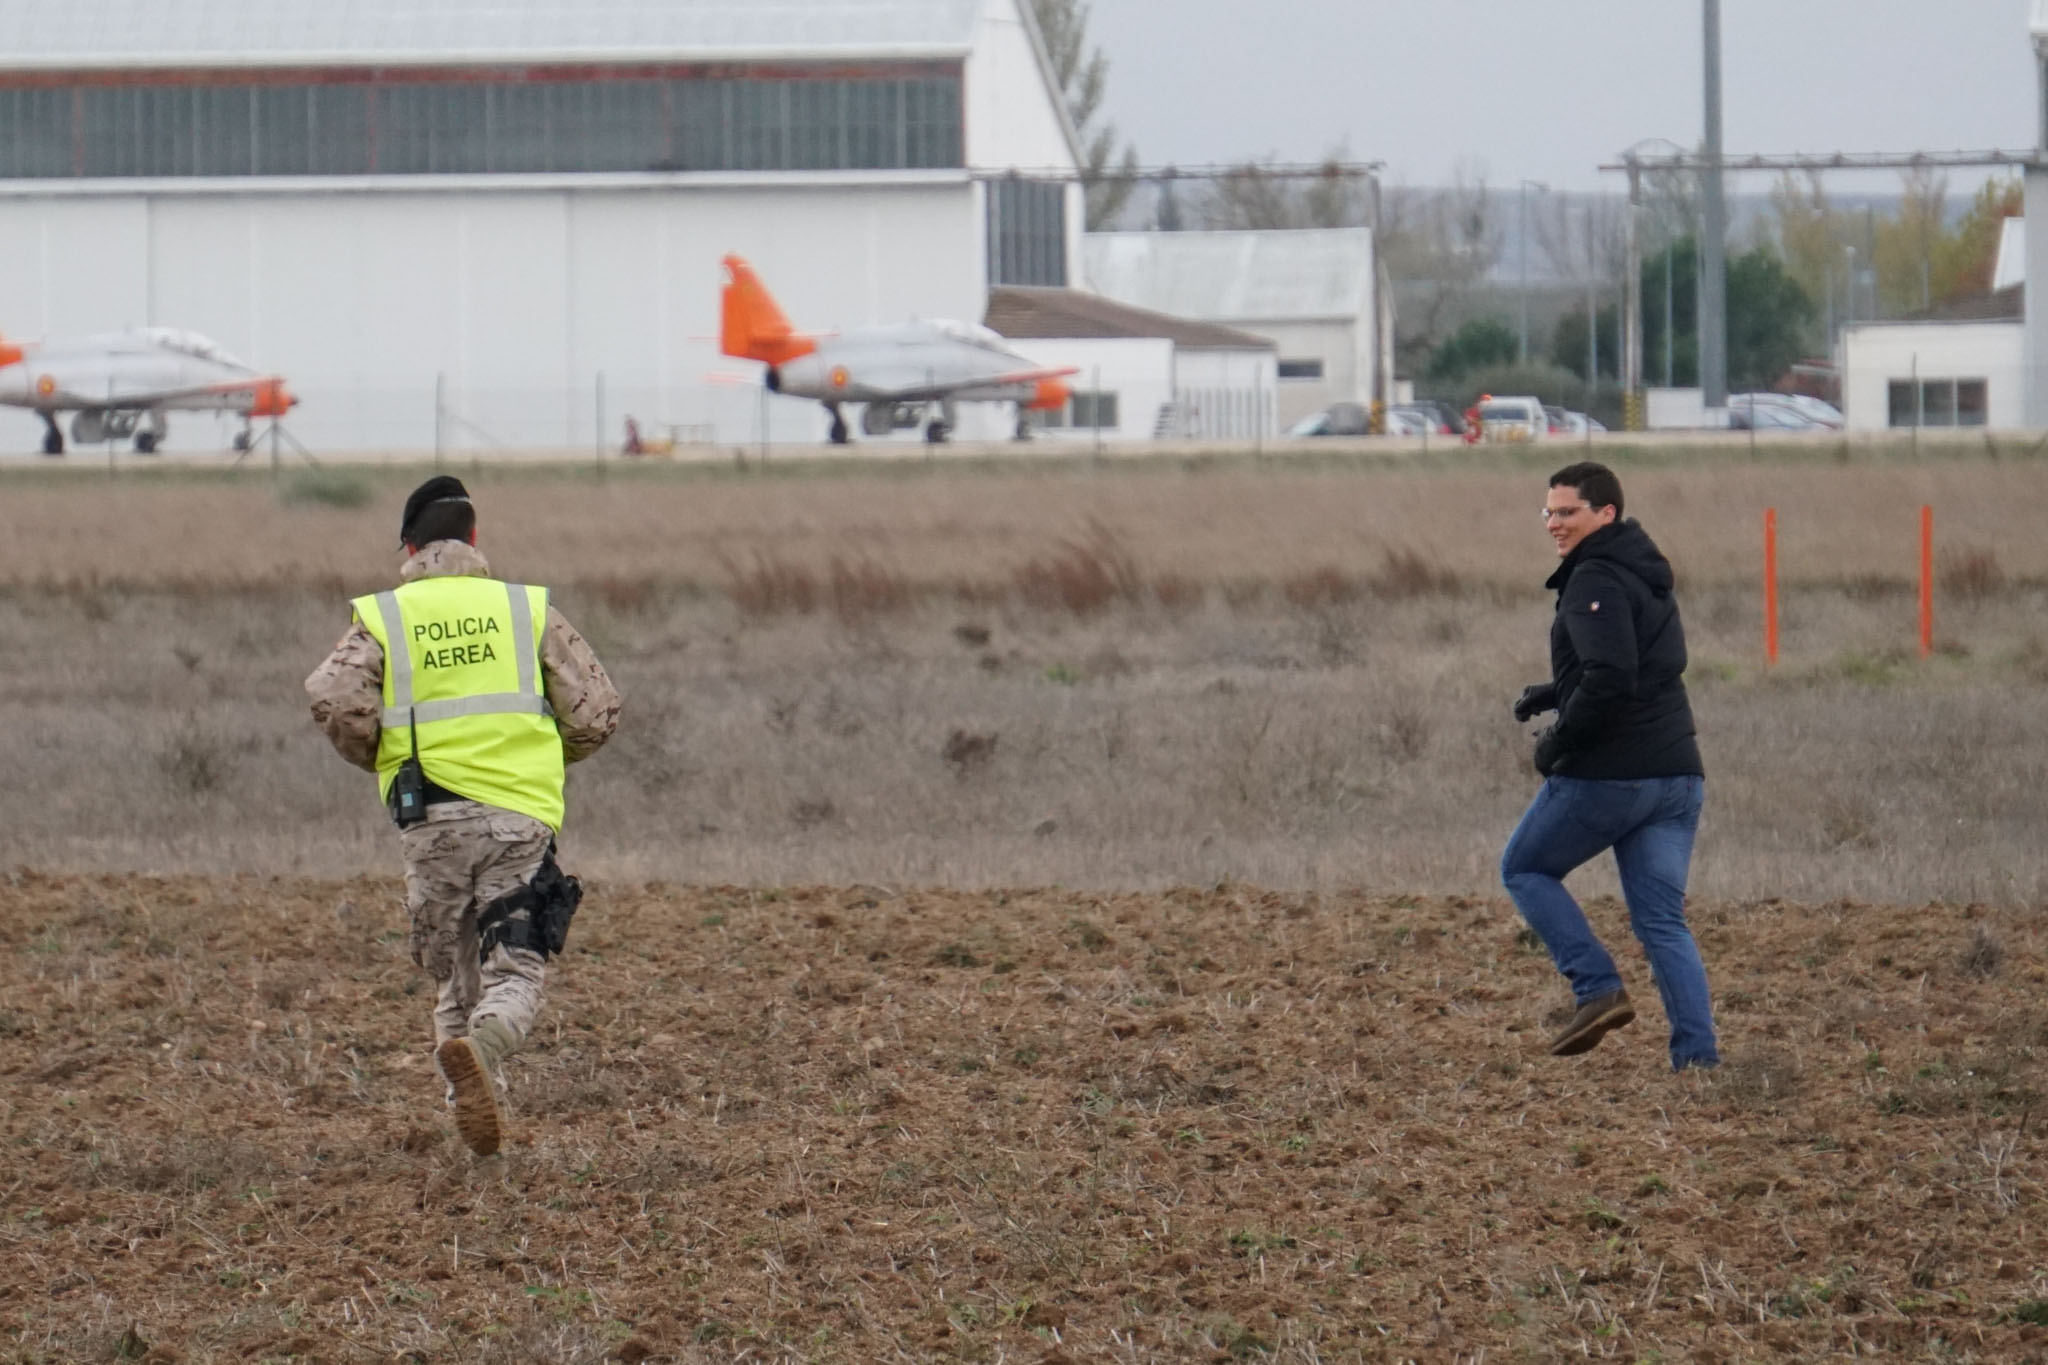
x,y
1617,660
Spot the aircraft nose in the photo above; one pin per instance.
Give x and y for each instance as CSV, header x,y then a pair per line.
x,y
1051,396
273,399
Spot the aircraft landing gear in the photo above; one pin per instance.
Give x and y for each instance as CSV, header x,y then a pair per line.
x,y
838,434
940,428
150,433
53,439
1024,430
243,440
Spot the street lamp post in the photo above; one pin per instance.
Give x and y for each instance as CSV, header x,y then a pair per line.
x,y
1541,188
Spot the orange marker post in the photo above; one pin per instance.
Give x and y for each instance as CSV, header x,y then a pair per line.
x,y
1926,582
1771,586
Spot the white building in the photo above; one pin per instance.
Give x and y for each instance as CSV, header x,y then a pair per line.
x,y
1963,365
518,204
1141,375
1315,293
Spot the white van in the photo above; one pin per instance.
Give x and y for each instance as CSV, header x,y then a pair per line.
x,y
1513,419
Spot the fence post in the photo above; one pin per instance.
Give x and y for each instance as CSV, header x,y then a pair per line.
x,y
598,447
1771,587
1926,581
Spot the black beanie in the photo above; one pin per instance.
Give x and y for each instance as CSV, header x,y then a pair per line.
x,y
440,488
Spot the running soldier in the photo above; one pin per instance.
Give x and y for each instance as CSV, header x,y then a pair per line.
x,y
467,713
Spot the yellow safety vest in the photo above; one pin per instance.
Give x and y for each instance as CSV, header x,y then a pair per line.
x,y
462,672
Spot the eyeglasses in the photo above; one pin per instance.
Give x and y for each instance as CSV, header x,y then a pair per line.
x,y
1551,514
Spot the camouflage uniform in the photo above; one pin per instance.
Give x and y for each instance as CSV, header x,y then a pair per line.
x,y
467,854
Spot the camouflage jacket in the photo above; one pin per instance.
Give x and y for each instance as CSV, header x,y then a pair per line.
x,y
348,687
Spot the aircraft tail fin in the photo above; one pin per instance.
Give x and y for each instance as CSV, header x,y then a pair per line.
x,y
752,325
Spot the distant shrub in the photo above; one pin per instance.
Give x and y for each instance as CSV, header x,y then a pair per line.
x,y
325,488
1971,575
1323,587
1081,576
770,587
863,588
1405,573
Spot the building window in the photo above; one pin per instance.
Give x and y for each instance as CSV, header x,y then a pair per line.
x,y
1086,411
1301,369
508,125
1938,402
1027,232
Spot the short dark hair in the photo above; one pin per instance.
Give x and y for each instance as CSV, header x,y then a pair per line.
x,y
450,519
1596,484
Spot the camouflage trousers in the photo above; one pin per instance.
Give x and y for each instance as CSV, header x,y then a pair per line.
x,y
465,856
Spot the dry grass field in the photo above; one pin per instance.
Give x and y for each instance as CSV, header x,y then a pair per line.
x,y
1254,1072
1113,679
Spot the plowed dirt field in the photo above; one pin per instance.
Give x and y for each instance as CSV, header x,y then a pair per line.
x,y
869,1123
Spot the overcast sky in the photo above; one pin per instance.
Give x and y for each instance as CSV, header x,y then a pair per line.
x,y
1550,89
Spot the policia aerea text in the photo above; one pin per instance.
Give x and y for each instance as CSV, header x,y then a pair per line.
x,y
467,696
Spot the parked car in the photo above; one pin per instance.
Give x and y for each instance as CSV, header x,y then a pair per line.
x,y
1450,421
1418,419
1814,410
1410,421
1753,412
1338,419
1565,422
1513,419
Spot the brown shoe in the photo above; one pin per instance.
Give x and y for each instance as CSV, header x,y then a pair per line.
x,y
1591,1022
477,1117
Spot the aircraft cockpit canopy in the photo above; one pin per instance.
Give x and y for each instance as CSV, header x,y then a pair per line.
x,y
188,343
973,334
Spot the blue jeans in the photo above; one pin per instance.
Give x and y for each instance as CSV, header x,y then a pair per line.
x,y
1649,823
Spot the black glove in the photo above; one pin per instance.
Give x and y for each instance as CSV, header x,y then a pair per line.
x,y
1536,699
1551,758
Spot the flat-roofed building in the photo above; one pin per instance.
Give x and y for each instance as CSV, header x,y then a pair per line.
x,y
519,205
1139,374
1314,293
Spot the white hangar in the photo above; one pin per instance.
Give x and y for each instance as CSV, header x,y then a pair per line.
x,y
499,222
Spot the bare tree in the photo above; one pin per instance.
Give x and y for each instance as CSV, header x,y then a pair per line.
x,y
1083,74
1261,194
1438,244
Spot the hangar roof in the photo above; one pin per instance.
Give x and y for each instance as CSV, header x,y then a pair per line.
x,y
1283,276
115,34
1023,312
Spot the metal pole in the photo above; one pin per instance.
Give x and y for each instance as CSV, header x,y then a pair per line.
x,y
1714,291
440,397
1632,291
1095,411
1592,317
1670,255
598,447
1522,352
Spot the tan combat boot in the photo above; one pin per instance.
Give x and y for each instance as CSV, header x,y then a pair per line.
x,y
469,1065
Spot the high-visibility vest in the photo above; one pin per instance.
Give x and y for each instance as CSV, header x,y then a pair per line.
x,y
462,674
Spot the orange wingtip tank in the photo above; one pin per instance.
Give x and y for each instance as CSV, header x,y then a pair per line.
x,y
9,354
752,325
1051,396
272,399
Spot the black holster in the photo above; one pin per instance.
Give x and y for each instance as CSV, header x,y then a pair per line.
x,y
535,916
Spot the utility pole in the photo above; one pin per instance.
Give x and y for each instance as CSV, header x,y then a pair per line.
x,y
1714,287
1523,350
